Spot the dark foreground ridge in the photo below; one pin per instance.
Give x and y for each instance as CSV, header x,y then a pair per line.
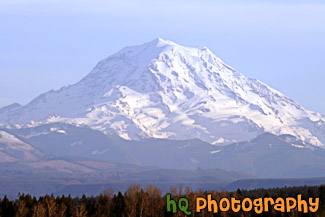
x,y
150,202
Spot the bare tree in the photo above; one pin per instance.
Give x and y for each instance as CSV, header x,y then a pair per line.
x,y
39,210
81,210
50,206
21,209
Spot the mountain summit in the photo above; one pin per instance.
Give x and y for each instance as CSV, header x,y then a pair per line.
x,y
164,90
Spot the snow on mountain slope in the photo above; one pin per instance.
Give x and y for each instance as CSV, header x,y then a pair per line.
x,y
13,149
163,90
62,139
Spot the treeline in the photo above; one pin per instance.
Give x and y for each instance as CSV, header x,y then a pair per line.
x,y
149,202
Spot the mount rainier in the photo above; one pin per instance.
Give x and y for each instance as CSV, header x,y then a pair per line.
x,y
164,90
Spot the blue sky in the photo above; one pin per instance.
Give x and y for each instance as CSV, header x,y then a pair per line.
x,y
49,44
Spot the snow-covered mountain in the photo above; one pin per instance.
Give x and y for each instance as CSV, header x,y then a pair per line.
x,y
164,90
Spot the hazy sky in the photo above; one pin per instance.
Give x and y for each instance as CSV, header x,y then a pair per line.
x,y
49,44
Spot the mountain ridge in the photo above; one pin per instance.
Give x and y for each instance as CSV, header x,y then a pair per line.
x,y
266,156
